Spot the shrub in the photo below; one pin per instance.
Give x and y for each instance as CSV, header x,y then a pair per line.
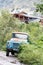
x,y
31,54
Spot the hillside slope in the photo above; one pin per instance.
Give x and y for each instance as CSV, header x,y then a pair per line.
x,y
17,3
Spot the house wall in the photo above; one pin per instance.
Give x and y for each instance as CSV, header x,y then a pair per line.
x,y
21,17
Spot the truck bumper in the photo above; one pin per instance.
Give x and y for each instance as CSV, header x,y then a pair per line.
x,y
14,50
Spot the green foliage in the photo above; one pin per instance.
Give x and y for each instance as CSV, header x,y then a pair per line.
x,y
39,7
9,24
31,54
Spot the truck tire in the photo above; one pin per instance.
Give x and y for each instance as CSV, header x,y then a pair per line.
x,y
7,52
12,52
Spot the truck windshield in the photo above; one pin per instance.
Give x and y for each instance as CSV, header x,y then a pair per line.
x,y
20,36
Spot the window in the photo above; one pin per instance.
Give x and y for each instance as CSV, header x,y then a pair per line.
x,y
21,36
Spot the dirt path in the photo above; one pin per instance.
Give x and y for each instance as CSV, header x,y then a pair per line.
x,y
11,60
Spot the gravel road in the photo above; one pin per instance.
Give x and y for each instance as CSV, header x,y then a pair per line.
x,y
11,60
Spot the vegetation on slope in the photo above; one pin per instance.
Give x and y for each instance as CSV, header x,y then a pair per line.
x,y
31,54
9,24
40,8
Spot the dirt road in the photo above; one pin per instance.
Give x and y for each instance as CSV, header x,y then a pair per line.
x,y
11,60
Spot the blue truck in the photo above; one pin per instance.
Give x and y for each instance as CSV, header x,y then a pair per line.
x,y
14,43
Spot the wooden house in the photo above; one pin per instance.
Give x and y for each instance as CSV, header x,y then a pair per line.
x,y
23,16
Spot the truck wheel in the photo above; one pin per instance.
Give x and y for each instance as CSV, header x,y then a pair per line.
x,y
7,52
16,54
12,52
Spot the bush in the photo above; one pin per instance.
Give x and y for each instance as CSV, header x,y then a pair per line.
x,y
31,54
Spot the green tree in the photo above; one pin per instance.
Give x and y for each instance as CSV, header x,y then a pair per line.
x,y
39,7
